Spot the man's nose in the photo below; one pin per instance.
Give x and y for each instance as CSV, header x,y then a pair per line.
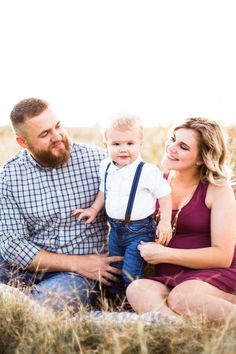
x,y
56,136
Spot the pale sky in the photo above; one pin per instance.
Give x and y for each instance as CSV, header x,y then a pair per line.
x,y
163,60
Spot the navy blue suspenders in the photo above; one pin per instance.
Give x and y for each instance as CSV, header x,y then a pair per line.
x,y
132,191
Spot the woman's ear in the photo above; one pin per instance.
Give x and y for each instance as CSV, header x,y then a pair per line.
x,y
199,163
22,142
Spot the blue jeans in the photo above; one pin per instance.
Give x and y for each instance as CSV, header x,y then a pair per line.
x,y
124,239
57,289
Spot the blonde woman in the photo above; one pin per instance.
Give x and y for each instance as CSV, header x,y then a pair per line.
x,y
196,272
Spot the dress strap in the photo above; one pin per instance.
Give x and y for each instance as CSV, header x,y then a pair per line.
x,y
203,190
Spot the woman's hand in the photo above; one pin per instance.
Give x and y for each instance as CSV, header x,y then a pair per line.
x,y
153,252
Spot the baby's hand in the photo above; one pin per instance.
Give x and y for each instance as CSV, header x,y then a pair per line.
x,y
89,213
164,232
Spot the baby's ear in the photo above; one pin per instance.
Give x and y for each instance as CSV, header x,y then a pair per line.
x,y
105,144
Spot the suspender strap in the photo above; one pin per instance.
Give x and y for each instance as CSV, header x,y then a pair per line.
x,y
105,183
133,191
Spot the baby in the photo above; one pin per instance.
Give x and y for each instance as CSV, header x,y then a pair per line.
x,y
128,190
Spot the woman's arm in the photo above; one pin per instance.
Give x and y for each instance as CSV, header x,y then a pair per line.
x,y
221,200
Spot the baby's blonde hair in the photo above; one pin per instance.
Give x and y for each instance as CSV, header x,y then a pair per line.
x,y
123,122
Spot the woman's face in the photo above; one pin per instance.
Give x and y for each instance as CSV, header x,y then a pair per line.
x,y
182,151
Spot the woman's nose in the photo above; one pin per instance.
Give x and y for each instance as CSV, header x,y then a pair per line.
x,y
172,147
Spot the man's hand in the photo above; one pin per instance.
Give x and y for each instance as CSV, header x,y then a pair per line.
x,y
97,267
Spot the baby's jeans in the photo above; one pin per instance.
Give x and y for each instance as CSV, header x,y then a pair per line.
x,y
124,239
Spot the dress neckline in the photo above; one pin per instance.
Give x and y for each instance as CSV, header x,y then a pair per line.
x,y
191,199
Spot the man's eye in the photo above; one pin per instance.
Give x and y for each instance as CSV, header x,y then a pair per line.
x,y
44,135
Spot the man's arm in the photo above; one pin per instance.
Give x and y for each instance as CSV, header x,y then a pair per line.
x,y
17,248
94,266
15,244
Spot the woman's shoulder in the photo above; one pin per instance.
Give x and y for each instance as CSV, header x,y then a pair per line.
x,y
220,194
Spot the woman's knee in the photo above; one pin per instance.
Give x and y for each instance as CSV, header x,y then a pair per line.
x,y
135,288
180,298
183,298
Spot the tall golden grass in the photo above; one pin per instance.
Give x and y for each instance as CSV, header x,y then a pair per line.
x,y
24,329
29,330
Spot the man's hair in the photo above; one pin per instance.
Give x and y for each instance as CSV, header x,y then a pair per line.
x,y
123,122
212,149
26,109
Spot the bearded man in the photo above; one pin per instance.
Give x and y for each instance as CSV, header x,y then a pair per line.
x,y
40,241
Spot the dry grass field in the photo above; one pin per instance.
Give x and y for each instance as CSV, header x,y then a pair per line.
x,y
24,329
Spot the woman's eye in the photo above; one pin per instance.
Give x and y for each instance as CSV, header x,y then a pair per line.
x,y
184,147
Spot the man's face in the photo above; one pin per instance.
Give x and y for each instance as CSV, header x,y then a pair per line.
x,y
46,139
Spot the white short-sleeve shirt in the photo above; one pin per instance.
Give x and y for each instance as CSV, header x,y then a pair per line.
x,y
151,187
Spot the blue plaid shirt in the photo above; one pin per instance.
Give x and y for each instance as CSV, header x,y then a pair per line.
x,y
36,205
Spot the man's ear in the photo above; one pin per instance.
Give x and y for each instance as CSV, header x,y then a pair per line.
x,y
22,142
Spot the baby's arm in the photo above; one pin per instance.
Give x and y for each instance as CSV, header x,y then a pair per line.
x,y
90,213
164,229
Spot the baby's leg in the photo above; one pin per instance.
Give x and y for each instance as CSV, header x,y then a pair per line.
x,y
116,249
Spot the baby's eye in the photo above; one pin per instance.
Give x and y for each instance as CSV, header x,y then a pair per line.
x,y
172,138
130,143
115,144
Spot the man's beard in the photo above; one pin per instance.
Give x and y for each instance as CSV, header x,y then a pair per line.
x,y
46,158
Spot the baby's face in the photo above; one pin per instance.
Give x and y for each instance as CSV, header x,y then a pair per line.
x,y
123,146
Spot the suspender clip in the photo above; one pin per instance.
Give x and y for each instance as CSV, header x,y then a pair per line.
x,y
127,218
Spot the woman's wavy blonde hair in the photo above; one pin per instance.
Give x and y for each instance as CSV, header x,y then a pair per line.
x,y
212,149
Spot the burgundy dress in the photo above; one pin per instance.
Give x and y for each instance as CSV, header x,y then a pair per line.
x,y
193,231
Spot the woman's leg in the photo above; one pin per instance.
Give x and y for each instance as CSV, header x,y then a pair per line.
x,y
146,295
199,297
